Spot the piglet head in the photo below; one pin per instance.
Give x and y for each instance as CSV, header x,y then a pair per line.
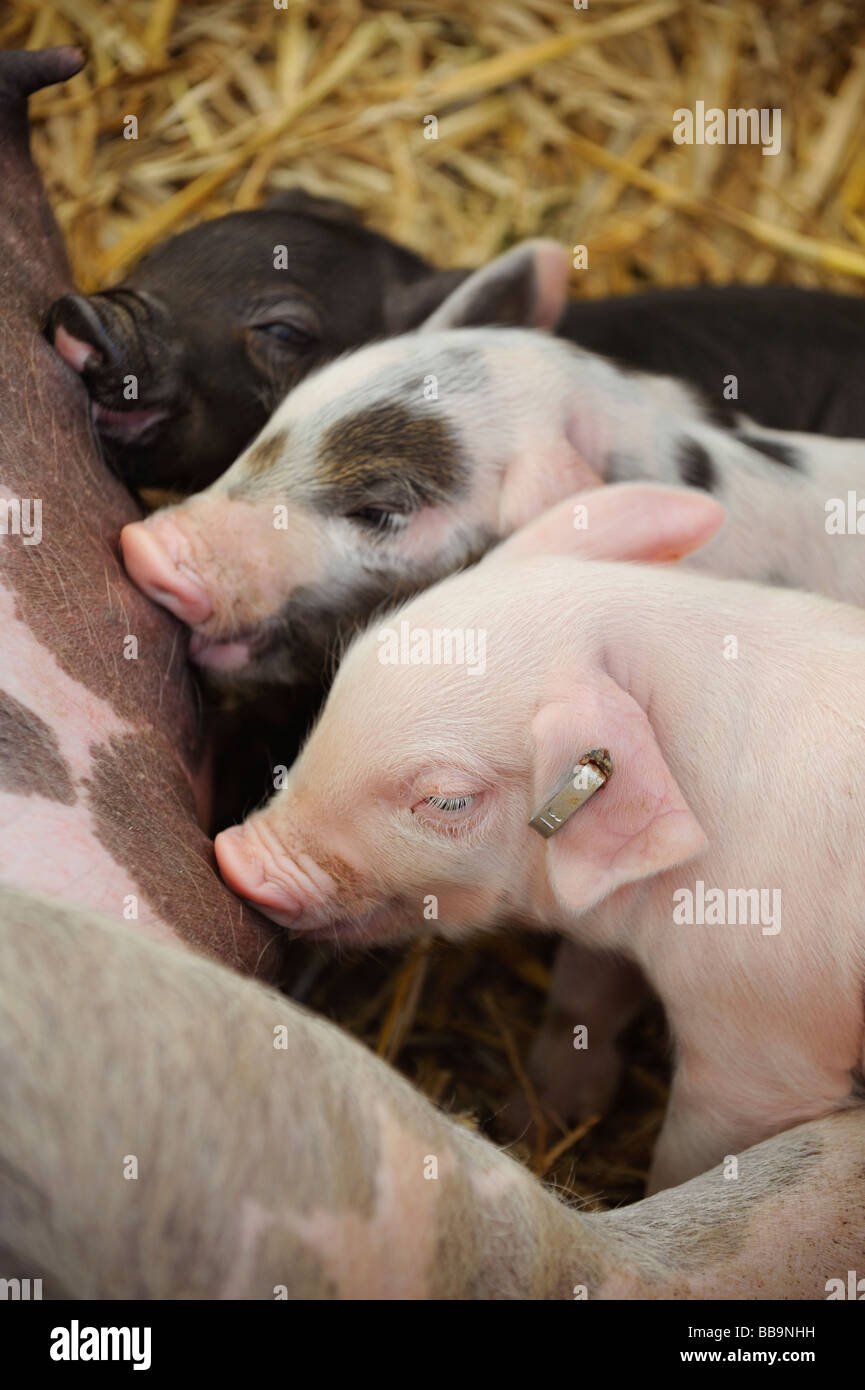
x,y
409,808
376,476
187,357
272,581
120,344
390,824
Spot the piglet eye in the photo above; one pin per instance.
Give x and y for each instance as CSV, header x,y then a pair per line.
x,y
449,803
376,519
288,333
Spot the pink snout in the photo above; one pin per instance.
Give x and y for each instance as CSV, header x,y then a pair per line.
x,y
282,886
155,555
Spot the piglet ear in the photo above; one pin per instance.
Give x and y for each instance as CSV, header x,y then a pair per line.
x,y
637,825
623,521
525,288
407,306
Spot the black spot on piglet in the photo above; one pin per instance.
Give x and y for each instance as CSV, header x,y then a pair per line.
x,y
784,454
696,468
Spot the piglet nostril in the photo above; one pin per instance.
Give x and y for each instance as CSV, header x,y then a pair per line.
x,y
80,332
151,566
244,868
76,352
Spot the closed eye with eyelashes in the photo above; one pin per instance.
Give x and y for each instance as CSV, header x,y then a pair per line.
x,y
450,803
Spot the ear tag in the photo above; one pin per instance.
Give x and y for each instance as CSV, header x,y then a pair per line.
x,y
592,772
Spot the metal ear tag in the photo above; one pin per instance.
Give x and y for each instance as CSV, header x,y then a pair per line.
x,y
593,771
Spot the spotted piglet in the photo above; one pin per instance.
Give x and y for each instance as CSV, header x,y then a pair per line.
x,y
399,463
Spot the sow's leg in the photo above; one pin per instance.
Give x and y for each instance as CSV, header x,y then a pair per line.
x,y
98,717
210,1139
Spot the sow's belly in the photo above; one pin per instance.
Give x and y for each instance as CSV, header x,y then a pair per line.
x,y
80,786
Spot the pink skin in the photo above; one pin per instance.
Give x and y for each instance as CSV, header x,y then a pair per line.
x,y
162,572
155,558
223,567
78,864
273,867
168,554
286,886
418,782
633,522
75,351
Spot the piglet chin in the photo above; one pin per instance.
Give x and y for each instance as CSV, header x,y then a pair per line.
x,y
379,928
219,656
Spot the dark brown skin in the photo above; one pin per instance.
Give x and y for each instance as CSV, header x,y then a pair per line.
x,y
217,334
73,594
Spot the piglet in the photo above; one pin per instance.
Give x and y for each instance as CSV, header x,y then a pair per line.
x,y
185,359
404,461
722,856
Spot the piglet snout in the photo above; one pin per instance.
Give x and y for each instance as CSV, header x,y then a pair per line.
x,y
285,887
79,334
154,559
76,352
